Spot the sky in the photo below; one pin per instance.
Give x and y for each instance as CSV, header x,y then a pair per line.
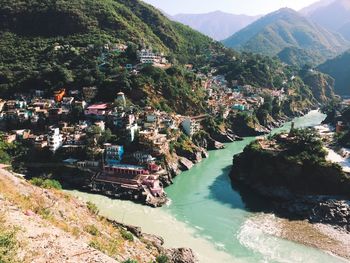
x,y
248,7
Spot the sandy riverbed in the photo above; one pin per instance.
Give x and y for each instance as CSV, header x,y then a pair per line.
x,y
321,236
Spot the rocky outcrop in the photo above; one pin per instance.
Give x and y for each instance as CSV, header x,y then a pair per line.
x,y
294,185
319,209
185,164
181,255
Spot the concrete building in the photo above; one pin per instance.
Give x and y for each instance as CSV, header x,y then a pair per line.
x,y
55,139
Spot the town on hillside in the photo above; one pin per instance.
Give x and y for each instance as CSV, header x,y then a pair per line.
x,y
127,149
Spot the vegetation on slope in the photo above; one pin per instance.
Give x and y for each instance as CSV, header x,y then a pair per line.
x,y
31,31
296,163
338,68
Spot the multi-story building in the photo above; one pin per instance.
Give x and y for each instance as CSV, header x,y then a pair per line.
x,y
55,139
114,154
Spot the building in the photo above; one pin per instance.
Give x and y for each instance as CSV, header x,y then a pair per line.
x,y
97,110
59,94
190,126
55,139
120,100
114,154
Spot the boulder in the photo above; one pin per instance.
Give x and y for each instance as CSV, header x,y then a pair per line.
x,y
181,255
185,164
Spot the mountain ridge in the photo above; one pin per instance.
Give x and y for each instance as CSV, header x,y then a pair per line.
x,y
286,28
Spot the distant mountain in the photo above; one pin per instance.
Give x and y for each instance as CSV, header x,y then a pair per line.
x,y
334,16
286,28
339,69
218,25
313,7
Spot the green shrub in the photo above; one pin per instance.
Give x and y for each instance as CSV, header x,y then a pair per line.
x,y
127,235
45,183
162,259
130,261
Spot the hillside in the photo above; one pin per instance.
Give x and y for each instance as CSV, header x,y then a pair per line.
x,y
339,69
217,25
286,28
61,44
48,225
333,15
299,57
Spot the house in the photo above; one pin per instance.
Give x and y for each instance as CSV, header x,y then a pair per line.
x,y
114,154
239,107
59,94
55,139
190,126
97,110
67,102
120,100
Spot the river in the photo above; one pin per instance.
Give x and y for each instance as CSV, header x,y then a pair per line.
x,y
206,214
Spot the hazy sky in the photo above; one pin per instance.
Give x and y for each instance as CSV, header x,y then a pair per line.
x,y
250,7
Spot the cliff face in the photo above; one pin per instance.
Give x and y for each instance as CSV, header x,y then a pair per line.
x,y
321,86
51,226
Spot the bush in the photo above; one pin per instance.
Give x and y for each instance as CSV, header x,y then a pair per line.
x,y
127,235
92,208
130,261
46,183
162,259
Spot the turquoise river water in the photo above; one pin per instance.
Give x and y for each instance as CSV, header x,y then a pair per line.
x,y
206,214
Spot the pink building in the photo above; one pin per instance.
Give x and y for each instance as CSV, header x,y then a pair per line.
x,y
97,110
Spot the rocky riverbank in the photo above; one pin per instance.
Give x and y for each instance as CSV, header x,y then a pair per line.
x,y
291,172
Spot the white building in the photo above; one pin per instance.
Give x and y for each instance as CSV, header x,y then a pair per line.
x,y
55,139
190,126
147,56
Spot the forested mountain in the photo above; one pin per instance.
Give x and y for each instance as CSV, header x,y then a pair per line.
x,y
218,25
339,69
61,43
32,31
286,28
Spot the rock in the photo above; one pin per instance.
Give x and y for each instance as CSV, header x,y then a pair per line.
x,y
181,255
204,153
185,164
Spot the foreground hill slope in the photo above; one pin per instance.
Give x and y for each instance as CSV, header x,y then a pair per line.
x,y
48,225
286,28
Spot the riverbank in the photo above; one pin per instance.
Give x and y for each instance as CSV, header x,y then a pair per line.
x,y
320,236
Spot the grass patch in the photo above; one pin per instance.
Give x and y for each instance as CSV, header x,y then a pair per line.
x,y
92,208
92,230
8,243
46,183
